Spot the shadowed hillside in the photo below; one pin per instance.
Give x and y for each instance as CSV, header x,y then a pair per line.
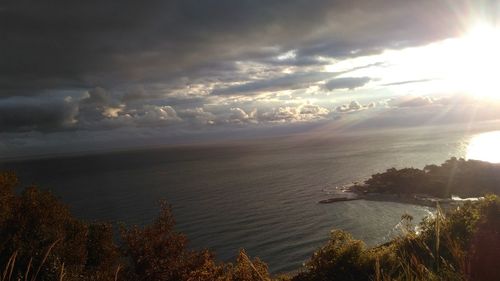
x,y
459,177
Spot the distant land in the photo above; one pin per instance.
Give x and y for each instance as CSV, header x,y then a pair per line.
x,y
453,181
460,177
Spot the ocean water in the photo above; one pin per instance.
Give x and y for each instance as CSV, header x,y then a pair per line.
x,y
260,196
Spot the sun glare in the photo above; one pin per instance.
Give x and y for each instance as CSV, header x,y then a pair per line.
x,y
466,64
485,147
479,59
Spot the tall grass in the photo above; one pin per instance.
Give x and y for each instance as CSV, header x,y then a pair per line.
x,y
29,274
9,273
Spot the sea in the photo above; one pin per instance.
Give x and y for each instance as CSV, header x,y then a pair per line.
x,y
259,195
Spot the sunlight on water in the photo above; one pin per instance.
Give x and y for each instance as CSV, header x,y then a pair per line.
x,y
485,147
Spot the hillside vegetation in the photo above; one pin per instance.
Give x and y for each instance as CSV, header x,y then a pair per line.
x,y
459,177
41,240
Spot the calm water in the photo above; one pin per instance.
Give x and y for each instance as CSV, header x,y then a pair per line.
x,y
259,197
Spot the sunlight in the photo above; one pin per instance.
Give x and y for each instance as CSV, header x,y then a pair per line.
x,y
466,64
480,57
485,147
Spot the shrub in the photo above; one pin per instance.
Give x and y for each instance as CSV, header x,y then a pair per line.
x,y
342,258
158,252
35,221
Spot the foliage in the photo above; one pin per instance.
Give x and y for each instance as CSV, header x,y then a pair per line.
x,y
41,240
461,245
157,252
246,269
343,258
469,178
8,181
34,221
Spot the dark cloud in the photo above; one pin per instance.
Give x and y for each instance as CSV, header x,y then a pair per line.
x,y
290,81
298,80
198,116
139,94
24,114
105,43
97,96
350,83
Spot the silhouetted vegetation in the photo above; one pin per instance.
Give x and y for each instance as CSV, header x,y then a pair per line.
x,y
461,245
459,177
41,240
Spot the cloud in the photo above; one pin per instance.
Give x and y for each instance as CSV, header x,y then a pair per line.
x,y
238,115
156,115
290,58
146,116
25,114
349,83
313,110
96,105
408,82
112,112
92,66
79,45
297,80
292,114
97,96
353,106
198,116
412,101
288,82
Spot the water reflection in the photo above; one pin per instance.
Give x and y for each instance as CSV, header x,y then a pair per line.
x,y
485,147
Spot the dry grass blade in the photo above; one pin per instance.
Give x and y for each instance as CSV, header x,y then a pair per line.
x,y
28,269
62,273
253,267
438,230
117,271
9,267
44,259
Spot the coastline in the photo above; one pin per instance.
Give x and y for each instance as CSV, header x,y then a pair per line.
x,y
355,191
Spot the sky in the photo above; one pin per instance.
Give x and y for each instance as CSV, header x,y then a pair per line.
x,y
90,75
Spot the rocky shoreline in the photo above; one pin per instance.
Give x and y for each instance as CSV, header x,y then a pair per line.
x,y
355,191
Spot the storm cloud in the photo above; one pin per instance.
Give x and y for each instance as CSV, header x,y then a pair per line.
x,y
105,43
349,83
185,65
24,114
291,81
